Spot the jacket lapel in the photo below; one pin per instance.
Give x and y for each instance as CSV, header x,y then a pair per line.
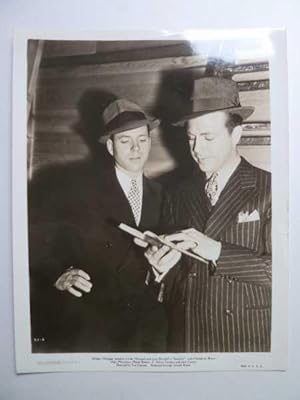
x,y
195,203
238,190
149,206
113,199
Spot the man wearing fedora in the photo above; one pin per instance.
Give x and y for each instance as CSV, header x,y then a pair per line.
x,y
223,305
95,275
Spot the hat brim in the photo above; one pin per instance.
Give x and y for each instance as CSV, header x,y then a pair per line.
x,y
151,123
243,111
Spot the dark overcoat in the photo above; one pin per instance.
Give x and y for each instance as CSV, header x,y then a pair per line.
x,y
73,222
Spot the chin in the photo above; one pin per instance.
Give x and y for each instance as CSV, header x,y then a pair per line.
x,y
205,166
136,168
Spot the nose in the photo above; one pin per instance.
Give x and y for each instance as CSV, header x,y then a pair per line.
x,y
135,145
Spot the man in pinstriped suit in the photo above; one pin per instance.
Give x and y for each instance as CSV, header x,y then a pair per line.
x,y
225,305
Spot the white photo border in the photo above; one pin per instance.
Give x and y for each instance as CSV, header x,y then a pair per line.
x,y
277,359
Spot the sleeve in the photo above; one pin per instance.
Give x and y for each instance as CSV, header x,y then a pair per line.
x,y
168,225
244,264
55,242
167,221
52,249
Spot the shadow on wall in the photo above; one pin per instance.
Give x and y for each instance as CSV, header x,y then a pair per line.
x,y
171,105
90,125
56,180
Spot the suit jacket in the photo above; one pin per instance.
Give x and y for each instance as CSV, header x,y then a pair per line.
x,y
226,309
75,224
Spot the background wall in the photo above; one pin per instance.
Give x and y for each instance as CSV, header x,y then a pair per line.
x,y
69,81
167,14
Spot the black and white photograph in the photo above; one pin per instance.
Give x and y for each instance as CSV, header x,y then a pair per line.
x,y
148,172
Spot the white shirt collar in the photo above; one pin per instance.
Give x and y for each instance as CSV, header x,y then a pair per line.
x,y
125,181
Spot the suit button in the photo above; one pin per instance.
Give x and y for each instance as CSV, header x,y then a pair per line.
x,y
193,274
229,280
108,245
228,312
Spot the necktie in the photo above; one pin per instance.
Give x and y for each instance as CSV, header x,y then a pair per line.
x,y
211,188
134,200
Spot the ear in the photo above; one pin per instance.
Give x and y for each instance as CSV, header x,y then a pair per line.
x,y
110,147
236,134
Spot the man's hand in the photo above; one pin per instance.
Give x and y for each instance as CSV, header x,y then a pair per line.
x,y
162,258
72,280
203,245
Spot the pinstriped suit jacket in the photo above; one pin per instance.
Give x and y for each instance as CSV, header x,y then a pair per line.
x,y
229,309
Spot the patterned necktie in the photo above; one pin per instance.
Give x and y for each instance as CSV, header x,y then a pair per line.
x,y
211,188
134,200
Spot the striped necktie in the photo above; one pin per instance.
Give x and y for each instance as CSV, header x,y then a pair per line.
x,y
134,200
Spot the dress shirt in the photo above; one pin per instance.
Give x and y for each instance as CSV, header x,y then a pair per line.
x,y
125,183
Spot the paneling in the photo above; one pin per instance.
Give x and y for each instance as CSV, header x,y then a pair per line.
x,y
51,98
119,52
65,91
65,48
161,64
260,99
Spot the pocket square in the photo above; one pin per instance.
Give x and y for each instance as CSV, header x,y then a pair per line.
x,y
244,216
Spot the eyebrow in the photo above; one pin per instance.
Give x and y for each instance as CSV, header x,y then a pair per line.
x,y
129,136
201,133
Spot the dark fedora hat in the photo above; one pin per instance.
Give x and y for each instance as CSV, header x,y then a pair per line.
x,y
211,94
123,115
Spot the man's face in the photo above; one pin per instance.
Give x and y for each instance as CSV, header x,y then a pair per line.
x,y
211,145
130,149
